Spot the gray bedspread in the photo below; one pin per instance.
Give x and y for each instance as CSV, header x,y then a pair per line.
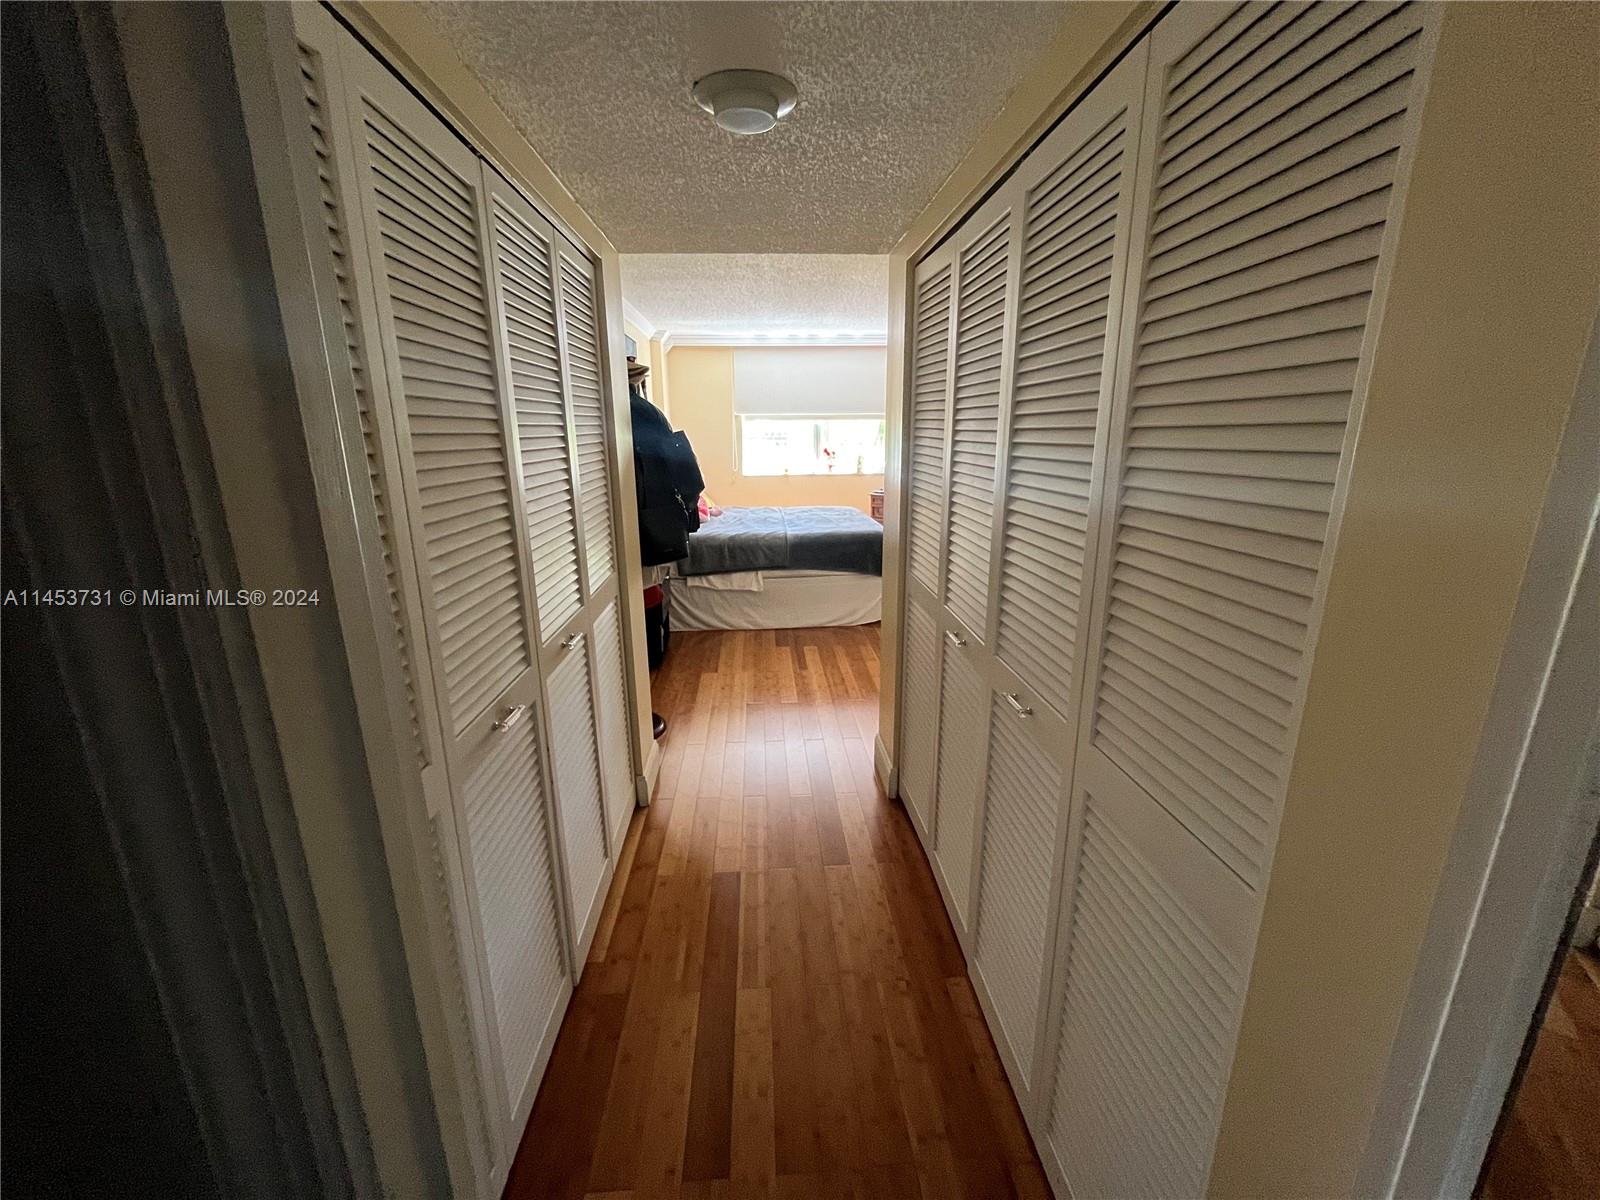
x,y
786,539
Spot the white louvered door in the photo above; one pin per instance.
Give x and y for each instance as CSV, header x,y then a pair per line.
x,y
1074,203
337,230
426,251
1269,158
467,356
594,664
984,295
540,352
602,613
927,440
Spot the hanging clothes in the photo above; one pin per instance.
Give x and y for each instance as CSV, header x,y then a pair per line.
x,y
668,480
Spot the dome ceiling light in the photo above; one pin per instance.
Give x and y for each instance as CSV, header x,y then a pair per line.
x,y
745,102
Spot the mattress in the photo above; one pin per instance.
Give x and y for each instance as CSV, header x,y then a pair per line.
x,y
803,538
775,600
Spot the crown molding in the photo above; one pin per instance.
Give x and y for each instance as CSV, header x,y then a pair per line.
x,y
691,337
638,320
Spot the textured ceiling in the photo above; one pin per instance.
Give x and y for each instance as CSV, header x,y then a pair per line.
x,y
728,295
892,95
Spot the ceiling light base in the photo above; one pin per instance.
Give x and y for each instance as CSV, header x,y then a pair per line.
x,y
745,102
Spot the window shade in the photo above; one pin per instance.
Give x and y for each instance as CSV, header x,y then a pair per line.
x,y
809,380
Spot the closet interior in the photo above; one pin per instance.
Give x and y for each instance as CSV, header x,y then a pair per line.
x,y
1134,375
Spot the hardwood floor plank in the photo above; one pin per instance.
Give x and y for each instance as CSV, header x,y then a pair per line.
x,y
685,801
919,1095
834,1067
1548,1147
615,973
825,806
780,816
752,1155
794,1044
883,1122
612,910
616,1146
661,1147
554,1159
730,814
1014,1146
753,958
711,1099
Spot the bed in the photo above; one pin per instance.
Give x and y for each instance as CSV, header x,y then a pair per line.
x,y
780,568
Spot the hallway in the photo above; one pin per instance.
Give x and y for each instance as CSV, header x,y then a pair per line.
x,y
775,1003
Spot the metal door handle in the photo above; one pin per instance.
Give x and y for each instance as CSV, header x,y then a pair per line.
x,y
571,640
954,638
513,715
1017,706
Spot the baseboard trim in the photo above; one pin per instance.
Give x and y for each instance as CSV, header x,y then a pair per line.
x,y
644,786
884,766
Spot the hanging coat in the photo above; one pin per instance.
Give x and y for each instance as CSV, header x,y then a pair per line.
x,y
668,482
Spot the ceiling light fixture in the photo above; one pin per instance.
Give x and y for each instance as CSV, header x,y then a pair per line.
x,y
745,102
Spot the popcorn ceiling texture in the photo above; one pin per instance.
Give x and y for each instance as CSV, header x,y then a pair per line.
x,y
731,294
892,95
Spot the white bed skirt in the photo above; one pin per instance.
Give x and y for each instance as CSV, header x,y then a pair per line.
x,y
776,600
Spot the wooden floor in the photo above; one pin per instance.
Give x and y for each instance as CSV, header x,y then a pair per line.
x,y
1550,1144
775,1004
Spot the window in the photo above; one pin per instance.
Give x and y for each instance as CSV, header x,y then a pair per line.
x,y
811,446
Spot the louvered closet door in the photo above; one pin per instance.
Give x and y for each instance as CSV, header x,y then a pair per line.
x,y
584,348
1073,197
527,266
1270,154
984,270
426,251
598,626
335,229
926,508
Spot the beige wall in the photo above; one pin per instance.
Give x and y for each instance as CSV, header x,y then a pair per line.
x,y
1496,276
700,380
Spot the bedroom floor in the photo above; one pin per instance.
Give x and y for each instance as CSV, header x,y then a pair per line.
x,y
1549,1146
775,1004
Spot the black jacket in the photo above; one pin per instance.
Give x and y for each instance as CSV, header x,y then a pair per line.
x,y
669,484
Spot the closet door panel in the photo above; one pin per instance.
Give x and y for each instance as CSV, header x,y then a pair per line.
x,y
1238,404
1075,209
525,279
514,872
1270,149
920,712
1146,1024
580,328
927,510
383,475
421,206
983,300
1073,205
578,788
613,715
1022,812
427,259
963,734
929,422
335,227
578,303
